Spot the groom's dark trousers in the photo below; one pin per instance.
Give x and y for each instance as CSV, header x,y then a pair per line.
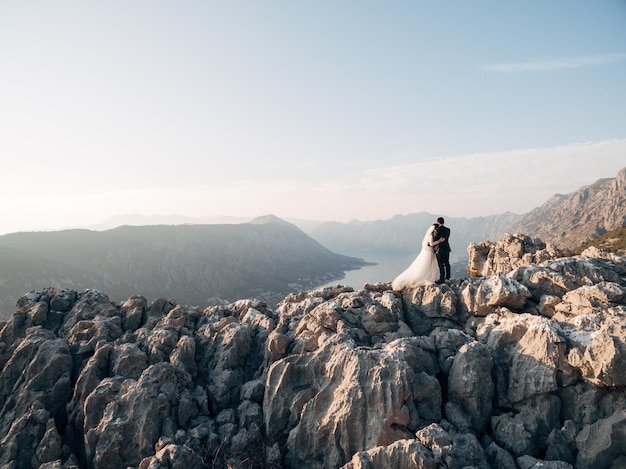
x,y
442,251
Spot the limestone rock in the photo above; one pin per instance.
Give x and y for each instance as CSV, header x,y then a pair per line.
x,y
518,369
35,384
541,281
431,306
528,352
562,443
487,258
453,449
591,299
584,403
598,343
402,453
470,384
601,443
528,462
499,457
172,457
525,431
349,399
447,343
484,296
580,270
616,262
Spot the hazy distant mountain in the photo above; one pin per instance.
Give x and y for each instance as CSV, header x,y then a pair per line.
x,y
269,257
190,263
404,233
565,220
135,219
569,220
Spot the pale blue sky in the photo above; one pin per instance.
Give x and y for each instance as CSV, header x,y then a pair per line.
x,y
327,110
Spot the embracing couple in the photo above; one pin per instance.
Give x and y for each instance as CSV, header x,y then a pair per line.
x,y
432,264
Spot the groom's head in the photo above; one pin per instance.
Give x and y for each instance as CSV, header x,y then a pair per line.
x,y
440,221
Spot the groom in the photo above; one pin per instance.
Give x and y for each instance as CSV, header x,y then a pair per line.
x,y
441,235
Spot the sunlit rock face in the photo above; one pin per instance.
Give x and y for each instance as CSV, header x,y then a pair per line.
x,y
521,366
567,221
511,252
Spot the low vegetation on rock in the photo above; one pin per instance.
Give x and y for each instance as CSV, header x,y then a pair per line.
x,y
613,241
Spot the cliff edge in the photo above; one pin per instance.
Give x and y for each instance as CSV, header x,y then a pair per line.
x,y
518,368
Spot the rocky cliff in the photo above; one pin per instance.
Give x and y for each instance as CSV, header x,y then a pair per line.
x,y
488,257
565,221
569,220
522,367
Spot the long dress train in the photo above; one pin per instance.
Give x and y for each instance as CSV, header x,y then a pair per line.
x,y
424,270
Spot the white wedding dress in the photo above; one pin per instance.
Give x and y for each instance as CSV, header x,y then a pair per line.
x,y
423,271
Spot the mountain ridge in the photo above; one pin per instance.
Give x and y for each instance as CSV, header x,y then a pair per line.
x,y
403,233
565,220
196,264
568,220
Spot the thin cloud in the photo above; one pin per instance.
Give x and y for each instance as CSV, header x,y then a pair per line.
x,y
490,183
548,64
478,184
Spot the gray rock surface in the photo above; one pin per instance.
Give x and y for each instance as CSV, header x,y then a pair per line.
x,y
522,367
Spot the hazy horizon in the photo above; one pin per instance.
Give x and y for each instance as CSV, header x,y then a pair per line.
x,y
306,224
131,219
315,111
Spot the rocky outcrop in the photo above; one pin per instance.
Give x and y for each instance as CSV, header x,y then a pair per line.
x,y
521,367
513,251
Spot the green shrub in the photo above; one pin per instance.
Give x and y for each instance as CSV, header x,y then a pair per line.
x,y
613,241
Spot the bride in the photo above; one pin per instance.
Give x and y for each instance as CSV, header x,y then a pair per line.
x,y
424,270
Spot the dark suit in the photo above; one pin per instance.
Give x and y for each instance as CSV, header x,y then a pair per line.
x,y
442,251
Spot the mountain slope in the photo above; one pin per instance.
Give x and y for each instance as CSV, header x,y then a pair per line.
x,y
565,220
404,233
569,220
613,241
191,263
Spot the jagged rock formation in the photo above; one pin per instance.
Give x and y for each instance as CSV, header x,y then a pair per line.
x,y
488,257
517,369
569,220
